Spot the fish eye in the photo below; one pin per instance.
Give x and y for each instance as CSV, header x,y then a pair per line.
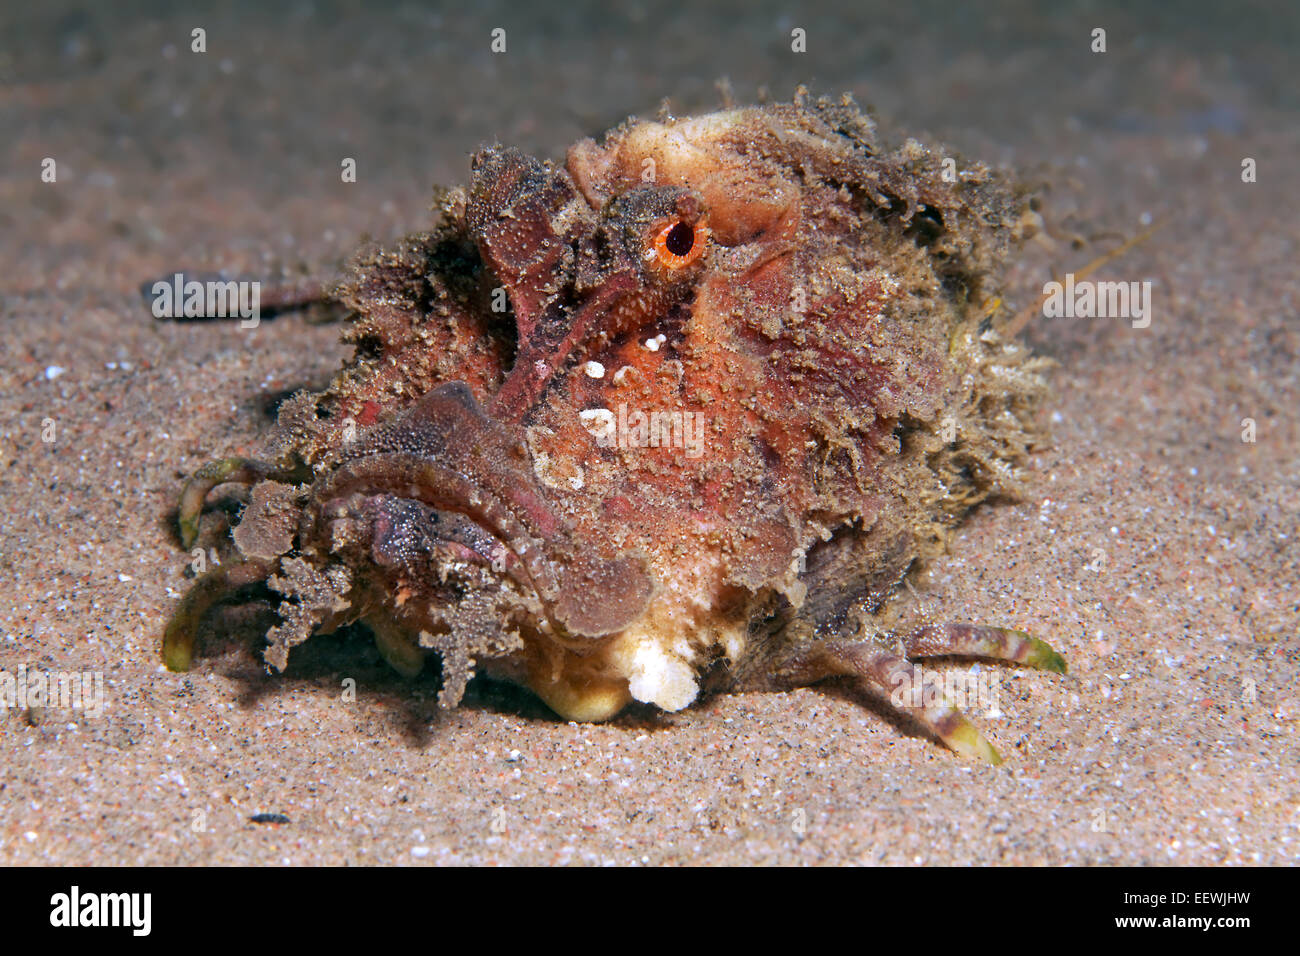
x,y
679,238
678,244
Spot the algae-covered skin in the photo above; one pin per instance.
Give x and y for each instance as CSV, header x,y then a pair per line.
x,y
676,415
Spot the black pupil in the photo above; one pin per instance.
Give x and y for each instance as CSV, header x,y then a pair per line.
x,y
680,238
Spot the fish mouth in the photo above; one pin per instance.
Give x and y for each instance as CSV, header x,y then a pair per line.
x,y
445,480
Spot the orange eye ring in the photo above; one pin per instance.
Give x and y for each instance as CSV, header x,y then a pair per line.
x,y
678,244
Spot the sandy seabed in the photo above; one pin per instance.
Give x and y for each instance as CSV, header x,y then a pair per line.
x,y
1156,549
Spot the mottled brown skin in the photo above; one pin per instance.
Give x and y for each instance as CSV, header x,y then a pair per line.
x,y
819,304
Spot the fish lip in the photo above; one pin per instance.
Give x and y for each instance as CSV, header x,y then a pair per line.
x,y
585,594
446,453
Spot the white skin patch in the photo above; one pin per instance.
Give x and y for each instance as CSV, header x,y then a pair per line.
x,y
595,370
659,678
660,655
